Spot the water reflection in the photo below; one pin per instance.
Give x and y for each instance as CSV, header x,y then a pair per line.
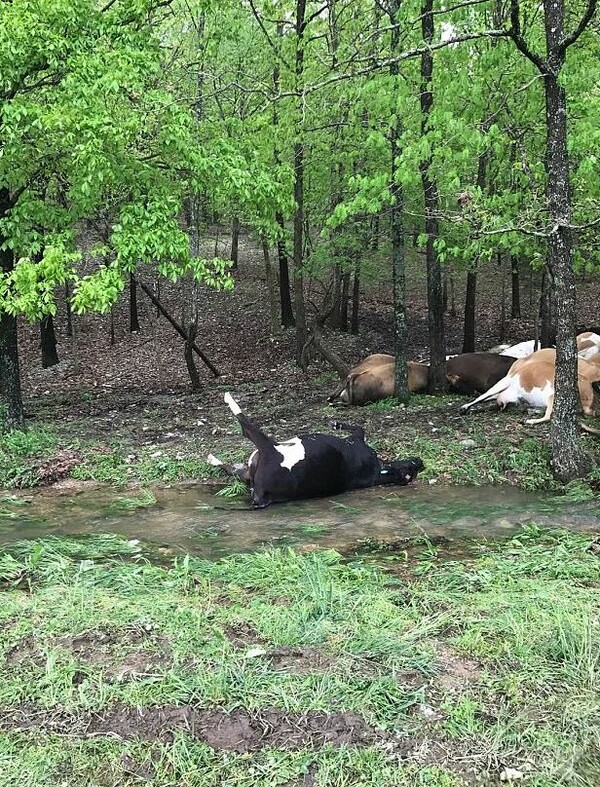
x,y
195,519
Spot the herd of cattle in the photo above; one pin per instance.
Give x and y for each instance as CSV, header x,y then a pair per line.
x,y
318,465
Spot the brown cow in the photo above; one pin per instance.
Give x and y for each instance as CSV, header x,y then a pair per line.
x,y
476,372
373,379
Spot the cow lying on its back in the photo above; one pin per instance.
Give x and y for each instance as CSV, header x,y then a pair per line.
x,y
312,465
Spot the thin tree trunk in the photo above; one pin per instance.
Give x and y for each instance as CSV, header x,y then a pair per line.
x,y
501,265
235,242
299,218
285,298
335,320
68,309
344,301
11,402
515,282
188,354
48,342
469,316
134,323
184,335
271,289
547,332
435,303
397,230
354,324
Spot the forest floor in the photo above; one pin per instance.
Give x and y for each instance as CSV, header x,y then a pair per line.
x,y
118,407
124,666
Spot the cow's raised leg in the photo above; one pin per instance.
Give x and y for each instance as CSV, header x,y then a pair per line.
x,y
238,470
249,428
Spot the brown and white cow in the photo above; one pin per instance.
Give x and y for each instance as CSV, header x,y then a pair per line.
x,y
312,465
588,345
373,379
530,381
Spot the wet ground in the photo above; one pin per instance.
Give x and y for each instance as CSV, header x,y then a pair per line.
x,y
196,519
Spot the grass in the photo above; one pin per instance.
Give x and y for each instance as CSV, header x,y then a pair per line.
x,y
485,448
19,454
502,650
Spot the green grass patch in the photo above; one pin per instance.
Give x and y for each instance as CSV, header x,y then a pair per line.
x,y
115,465
20,452
445,668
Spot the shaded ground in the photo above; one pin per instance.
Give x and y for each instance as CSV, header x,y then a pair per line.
x,y
134,388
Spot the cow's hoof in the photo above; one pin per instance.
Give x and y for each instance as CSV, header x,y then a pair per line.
x,y
337,425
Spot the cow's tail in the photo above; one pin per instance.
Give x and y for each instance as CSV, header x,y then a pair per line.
x,y
492,393
249,429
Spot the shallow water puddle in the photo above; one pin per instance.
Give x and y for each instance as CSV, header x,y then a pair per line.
x,y
196,519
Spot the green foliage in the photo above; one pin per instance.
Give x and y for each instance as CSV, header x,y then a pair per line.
x,y
235,488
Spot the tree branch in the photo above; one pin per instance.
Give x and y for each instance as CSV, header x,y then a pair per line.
x,y
516,35
585,20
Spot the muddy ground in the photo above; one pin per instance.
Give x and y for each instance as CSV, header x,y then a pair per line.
x,y
111,383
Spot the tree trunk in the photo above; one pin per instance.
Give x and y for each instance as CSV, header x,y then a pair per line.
x,y
397,229
134,323
184,335
374,245
515,281
271,289
287,312
354,323
500,259
435,303
547,332
11,402
285,298
48,342
335,320
298,284
569,460
469,317
344,301
68,309
235,242
188,354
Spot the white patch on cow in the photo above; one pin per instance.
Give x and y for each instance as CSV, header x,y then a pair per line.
x,y
252,455
520,350
233,405
212,460
292,452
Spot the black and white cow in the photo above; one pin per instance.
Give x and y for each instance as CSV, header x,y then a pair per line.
x,y
312,465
